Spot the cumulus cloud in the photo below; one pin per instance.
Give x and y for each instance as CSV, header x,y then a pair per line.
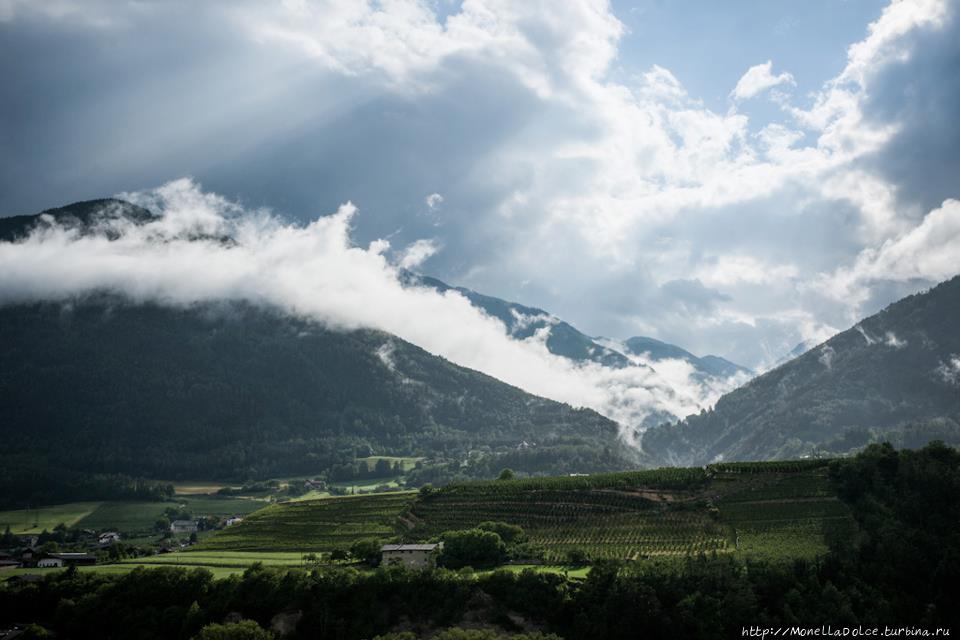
x,y
612,194
203,247
758,79
929,252
418,253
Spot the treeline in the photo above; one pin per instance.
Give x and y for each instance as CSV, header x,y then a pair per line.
x,y
900,569
25,483
558,458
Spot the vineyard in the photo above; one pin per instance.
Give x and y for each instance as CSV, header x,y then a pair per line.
x,y
781,509
604,516
314,525
601,523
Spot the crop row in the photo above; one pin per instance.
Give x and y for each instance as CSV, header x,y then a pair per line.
x,y
671,478
776,466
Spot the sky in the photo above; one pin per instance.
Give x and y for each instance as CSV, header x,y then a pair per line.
x,y
733,178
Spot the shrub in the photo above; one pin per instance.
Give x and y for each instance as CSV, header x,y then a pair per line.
x,y
473,548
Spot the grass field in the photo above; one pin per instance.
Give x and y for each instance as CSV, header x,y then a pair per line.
x,y
33,521
197,487
406,462
235,559
141,516
127,517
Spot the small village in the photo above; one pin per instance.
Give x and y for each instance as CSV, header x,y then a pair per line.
x,y
65,547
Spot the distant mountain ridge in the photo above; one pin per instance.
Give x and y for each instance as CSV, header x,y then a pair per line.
x,y
707,365
565,340
80,215
894,375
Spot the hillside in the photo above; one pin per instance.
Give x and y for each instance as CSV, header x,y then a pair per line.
x,y
895,375
759,509
235,391
82,216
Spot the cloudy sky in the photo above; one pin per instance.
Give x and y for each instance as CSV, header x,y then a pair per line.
x,y
731,177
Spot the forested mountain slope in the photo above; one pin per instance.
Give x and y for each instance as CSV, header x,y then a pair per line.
x,y
236,390
895,375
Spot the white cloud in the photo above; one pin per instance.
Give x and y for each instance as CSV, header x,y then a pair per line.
x,y
730,269
929,252
949,372
758,79
826,356
418,253
315,271
608,185
433,200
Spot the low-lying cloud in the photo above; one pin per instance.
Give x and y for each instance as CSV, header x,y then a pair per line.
x,y
202,247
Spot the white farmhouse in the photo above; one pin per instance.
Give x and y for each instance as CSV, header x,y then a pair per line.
x,y
414,556
183,526
109,537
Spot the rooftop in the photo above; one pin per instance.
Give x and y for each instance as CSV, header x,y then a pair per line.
x,y
409,547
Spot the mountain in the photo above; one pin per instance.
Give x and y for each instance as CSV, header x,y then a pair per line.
x,y
236,390
523,322
656,350
565,340
102,385
894,375
83,216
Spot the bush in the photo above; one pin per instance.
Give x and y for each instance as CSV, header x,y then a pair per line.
x,y
509,533
472,548
243,630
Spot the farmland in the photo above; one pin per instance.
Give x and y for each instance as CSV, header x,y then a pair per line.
x,y
772,507
766,509
128,517
314,525
33,521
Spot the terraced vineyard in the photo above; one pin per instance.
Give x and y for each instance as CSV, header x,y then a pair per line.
x,y
778,509
775,509
314,525
601,523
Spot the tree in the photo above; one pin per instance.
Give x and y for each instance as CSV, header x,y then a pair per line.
x,y
576,556
509,533
471,548
8,540
506,474
367,550
243,630
382,468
